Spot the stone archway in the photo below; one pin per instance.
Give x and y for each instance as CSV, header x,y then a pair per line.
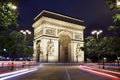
x,y
64,48
59,36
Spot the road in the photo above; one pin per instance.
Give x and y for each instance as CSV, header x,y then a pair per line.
x,y
60,72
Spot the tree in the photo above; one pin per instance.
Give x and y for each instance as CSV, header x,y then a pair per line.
x,y
8,23
28,51
112,4
10,38
91,46
8,15
114,41
95,46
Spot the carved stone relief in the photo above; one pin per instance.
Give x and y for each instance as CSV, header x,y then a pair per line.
x,y
78,36
50,31
50,47
59,30
38,33
78,51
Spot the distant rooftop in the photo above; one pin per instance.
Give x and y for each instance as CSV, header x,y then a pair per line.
x,y
58,17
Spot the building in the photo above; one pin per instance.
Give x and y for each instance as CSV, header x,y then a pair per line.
x,y
58,38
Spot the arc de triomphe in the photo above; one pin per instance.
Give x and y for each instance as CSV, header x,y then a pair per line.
x,y
58,38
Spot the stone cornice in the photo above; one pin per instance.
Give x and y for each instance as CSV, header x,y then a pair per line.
x,y
57,22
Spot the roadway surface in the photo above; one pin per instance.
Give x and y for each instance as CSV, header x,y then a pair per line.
x,y
62,72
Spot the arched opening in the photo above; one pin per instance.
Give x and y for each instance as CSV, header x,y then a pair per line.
x,y
64,48
38,51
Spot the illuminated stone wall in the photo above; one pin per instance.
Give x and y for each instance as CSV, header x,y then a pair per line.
x,y
60,41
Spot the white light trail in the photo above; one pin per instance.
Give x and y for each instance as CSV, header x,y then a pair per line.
x,y
18,73
6,74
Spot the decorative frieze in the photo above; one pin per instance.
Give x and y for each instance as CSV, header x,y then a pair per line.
x,y
50,31
60,30
78,36
38,33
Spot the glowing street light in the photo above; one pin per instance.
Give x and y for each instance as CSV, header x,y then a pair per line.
x,y
12,6
104,60
97,32
25,32
4,50
118,2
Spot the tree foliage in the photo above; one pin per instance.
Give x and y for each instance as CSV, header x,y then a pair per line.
x,y
112,4
8,15
114,41
10,38
94,46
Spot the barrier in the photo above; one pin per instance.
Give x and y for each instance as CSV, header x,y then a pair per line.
x,y
13,65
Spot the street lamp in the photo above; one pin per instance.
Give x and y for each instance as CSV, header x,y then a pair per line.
x,y
118,2
25,32
97,32
118,58
12,6
104,60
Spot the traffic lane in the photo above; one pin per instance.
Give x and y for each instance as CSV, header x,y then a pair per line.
x,y
45,73
60,73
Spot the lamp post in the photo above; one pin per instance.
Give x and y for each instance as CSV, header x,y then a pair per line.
x,y
97,33
118,58
104,59
25,32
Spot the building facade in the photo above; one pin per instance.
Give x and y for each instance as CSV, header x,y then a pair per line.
x,y
58,38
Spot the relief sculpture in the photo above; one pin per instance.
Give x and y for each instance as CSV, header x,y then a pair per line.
x,y
78,51
50,47
50,31
38,33
78,36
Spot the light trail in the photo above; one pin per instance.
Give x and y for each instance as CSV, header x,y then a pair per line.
x,y
17,73
103,70
100,73
6,74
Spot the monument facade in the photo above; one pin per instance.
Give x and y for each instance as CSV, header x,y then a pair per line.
x,y
58,38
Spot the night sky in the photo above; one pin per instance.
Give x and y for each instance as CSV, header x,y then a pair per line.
x,y
95,13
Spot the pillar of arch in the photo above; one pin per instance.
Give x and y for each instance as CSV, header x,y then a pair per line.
x,y
60,38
